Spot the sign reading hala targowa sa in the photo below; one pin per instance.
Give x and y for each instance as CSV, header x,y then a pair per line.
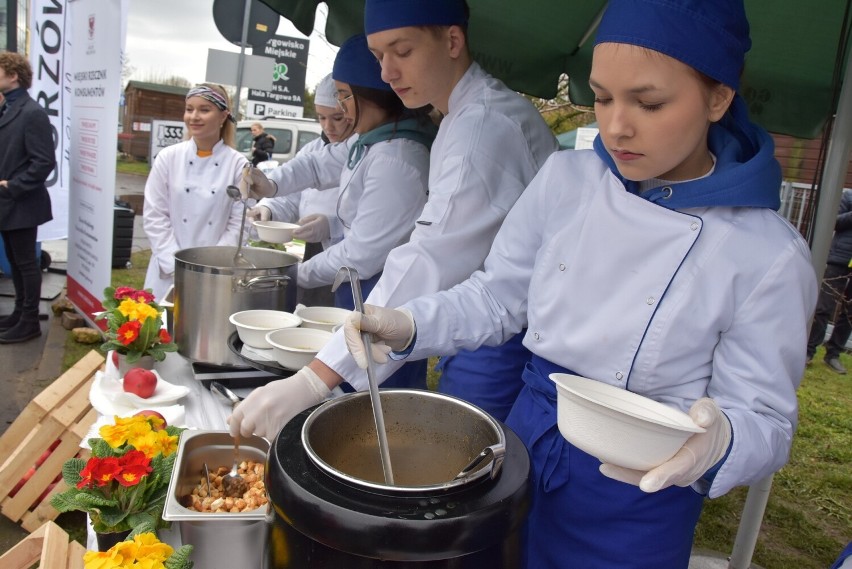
x,y
286,100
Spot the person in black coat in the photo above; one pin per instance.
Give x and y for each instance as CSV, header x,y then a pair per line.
x,y
836,287
26,160
261,150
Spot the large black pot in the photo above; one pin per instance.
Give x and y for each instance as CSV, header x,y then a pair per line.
x,y
324,522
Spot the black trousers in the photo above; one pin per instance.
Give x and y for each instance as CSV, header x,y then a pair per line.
x,y
836,288
20,245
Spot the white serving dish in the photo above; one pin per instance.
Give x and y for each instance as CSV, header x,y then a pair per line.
x,y
617,426
253,325
294,348
275,231
321,317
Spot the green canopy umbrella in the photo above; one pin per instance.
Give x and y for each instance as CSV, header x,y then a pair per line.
x,y
789,77
792,83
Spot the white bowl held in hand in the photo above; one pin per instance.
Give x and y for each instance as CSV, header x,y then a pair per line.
x,y
321,317
294,348
253,325
618,426
275,231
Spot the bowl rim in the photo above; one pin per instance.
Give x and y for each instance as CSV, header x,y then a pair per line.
x,y
272,224
309,331
334,310
676,419
296,319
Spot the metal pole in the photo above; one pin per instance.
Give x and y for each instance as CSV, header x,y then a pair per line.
x,y
246,18
834,174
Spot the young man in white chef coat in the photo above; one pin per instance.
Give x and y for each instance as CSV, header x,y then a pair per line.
x,y
490,145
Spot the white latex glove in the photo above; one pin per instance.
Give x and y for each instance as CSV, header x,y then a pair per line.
x,y
267,409
313,228
700,452
259,213
392,330
255,184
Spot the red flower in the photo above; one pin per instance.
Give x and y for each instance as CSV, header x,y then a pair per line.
x,y
143,296
134,458
123,292
132,474
128,332
164,336
99,471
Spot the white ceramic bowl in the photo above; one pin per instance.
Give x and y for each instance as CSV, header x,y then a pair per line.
x,y
296,347
321,317
253,325
275,231
618,426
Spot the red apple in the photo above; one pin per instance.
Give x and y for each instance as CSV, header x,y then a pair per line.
x,y
155,415
141,382
115,359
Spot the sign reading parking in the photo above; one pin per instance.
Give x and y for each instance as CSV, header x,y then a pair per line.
x,y
288,80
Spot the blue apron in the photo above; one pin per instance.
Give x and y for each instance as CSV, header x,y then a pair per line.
x,y
488,377
579,518
412,375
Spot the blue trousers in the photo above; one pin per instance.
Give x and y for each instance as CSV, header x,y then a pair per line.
x,y
411,375
579,518
488,377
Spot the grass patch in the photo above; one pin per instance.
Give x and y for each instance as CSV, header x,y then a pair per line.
x,y
127,165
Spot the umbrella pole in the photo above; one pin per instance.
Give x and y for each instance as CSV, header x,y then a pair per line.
x,y
834,176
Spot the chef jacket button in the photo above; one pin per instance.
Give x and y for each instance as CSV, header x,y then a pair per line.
x,y
536,336
561,266
694,225
209,223
191,162
187,190
215,163
184,220
651,300
619,376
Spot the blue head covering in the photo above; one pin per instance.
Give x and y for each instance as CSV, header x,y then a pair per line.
x,y
380,15
355,65
708,35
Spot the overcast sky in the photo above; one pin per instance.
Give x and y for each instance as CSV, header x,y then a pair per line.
x,y
171,37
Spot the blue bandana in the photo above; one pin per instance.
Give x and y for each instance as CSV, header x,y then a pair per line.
x,y
711,36
355,65
380,15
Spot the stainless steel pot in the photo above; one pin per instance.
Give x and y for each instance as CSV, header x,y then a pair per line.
x,y
209,287
220,540
432,437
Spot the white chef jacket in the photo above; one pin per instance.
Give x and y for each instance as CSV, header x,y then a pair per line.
x,y
489,146
380,198
291,208
673,305
186,205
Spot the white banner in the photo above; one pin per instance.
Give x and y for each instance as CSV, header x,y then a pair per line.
x,y
49,89
93,58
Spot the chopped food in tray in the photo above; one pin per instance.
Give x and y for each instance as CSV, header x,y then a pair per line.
x,y
200,500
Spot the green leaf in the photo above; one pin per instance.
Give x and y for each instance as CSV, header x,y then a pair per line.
x,y
65,502
89,499
180,558
71,470
101,448
113,517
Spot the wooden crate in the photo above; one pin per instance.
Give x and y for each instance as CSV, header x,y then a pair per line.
x,y
58,418
49,546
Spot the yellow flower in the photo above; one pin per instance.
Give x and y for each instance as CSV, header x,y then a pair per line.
x,y
168,443
140,311
111,559
114,435
149,444
152,548
125,429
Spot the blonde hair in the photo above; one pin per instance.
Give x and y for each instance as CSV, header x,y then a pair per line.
x,y
228,132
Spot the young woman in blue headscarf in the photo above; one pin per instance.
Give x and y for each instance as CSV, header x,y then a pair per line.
x,y
655,263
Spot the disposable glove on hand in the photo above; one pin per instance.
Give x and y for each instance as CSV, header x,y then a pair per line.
x,y
259,213
267,409
392,330
700,452
313,228
255,184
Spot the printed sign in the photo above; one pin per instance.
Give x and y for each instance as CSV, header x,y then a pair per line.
x,y
288,80
163,134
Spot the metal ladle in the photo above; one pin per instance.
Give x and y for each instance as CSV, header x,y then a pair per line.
x,y
234,193
342,274
233,485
